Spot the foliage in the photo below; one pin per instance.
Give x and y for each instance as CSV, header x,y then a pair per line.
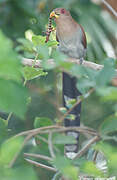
x,y
29,96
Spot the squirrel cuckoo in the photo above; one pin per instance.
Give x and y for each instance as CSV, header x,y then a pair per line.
x,y
72,42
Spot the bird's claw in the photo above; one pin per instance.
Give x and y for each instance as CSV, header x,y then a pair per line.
x,y
81,61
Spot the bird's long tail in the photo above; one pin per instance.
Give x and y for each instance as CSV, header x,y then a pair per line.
x,y
70,92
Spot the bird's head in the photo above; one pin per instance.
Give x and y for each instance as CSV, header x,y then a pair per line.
x,y
59,12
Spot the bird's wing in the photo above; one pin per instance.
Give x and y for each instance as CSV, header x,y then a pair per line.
x,y
84,41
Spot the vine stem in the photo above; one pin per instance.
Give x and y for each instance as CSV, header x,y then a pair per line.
x,y
41,165
9,116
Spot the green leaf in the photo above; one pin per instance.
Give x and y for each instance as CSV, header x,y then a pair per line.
x,y
108,125
86,78
10,64
25,45
70,102
91,169
84,84
106,74
107,93
62,139
16,173
105,137
71,117
43,52
38,40
60,59
65,167
32,73
13,97
63,110
9,149
42,121
51,43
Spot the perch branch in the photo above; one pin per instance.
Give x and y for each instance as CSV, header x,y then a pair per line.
x,y
38,63
41,165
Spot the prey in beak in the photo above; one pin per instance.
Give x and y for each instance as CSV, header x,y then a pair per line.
x,y
53,14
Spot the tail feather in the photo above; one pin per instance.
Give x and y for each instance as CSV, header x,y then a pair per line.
x,y
71,92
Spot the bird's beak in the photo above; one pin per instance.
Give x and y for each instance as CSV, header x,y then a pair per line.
x,y
53,14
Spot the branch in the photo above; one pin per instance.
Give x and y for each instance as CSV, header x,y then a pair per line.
x,y
38,63
110,8
54,129
48,130
17,154
77,102
77,129
36,131
50,145
86,147
46,141
41,165
38,156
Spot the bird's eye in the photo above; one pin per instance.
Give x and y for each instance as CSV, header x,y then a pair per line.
x,y
62,11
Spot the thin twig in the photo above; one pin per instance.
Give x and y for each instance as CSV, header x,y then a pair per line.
x,y
38,156
41,165
77,129
45,130
36,131
86,147
17,154
50,145
29,134
110,8
9,116
45,140
78,102
55,129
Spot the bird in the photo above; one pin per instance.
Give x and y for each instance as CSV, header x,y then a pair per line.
x,y
73,43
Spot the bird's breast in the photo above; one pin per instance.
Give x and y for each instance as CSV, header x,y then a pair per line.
x,y
72,45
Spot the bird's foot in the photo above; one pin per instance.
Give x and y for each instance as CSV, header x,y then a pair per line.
x,y
81,61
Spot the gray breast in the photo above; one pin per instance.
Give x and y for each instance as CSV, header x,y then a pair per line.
x,y
73,46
